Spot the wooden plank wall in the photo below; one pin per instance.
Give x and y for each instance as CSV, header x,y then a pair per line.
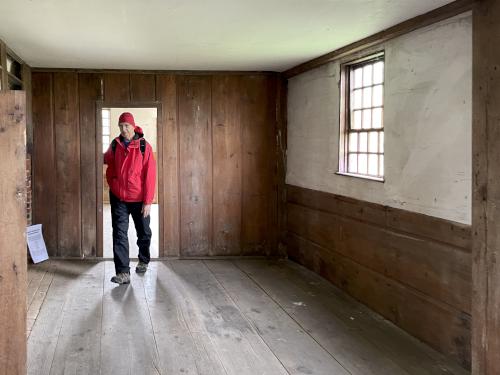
x,y
413,269
13,262
220,158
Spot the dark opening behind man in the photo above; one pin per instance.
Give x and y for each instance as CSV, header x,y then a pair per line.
x,y
131,176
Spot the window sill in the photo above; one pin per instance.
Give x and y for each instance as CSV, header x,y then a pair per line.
x,y
361,176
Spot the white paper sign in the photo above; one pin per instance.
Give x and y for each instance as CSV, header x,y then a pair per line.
x,y
36,244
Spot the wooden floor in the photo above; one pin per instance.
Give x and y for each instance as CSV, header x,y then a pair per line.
x,y
240,317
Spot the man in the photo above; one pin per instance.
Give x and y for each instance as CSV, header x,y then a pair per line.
x,y
131,175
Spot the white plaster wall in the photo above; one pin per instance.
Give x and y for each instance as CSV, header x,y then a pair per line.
x,y
428,120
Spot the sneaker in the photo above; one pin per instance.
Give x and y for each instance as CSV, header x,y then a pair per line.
x,y
121,278
141,267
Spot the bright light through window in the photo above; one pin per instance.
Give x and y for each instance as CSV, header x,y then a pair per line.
x,y
363,133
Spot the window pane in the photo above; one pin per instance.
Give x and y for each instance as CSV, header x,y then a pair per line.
x,y
105,113
105,131
378,96
381,142
358,78
367,75
367,119
353,142
378,72
377,118
372,165
363,164
357,99
356,123
367,97
353,163
105,123
363,142
373,142
105,142
381,166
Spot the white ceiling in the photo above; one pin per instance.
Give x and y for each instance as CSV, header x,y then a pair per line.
x,y
192,34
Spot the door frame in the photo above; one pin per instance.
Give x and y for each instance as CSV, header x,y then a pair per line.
x,y
100,104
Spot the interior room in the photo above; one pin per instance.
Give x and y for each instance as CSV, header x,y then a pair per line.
x,y
235,187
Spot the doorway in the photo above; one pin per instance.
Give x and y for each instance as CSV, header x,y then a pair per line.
x,y
107,119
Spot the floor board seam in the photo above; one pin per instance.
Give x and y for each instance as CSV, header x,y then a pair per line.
x,y
36,291
256,330
208,336
60,329
291,317
52,271
157,352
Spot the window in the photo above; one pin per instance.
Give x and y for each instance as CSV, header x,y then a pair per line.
x,y
106,128
14,69
362,122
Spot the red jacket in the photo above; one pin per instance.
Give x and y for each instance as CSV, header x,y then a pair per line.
x,y
130,175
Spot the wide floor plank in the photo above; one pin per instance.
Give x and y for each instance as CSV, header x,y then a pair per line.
x,y
127,343
181,349
295,348
208,309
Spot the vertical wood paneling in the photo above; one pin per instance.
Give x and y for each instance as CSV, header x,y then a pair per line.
x,y
90,91
486,189
195,133
13,262
166,92
117,87
68,207
258,163
142,88
217,135
226,133
44,165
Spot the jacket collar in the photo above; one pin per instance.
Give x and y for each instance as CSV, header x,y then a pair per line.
x,y
134,143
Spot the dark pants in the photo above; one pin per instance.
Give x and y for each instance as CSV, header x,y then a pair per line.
x,y
120,212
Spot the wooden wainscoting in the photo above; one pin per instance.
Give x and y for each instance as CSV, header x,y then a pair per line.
x,y
413,269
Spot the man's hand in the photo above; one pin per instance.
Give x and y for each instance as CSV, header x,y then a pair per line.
x,y
146,209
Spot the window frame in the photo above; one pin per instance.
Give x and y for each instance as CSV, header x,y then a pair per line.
x,y
110,138
345,112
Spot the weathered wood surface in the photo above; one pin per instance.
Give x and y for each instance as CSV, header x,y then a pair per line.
x,y
195,158
234,166
89,91
44,159
215,317
166,93
142,88
116,87
13,259
67,155
259,162
227,164
486,189
392,261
